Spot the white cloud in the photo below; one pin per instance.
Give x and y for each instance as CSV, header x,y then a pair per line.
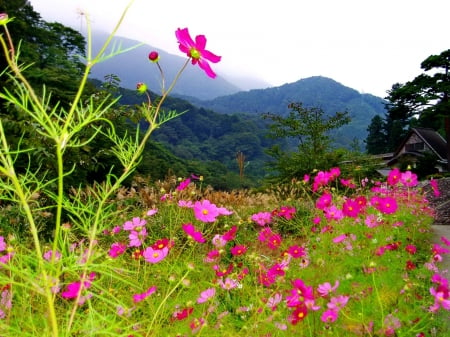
x,y
366,45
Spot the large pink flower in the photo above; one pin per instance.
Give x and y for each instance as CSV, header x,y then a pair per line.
x,y
205,211
196,50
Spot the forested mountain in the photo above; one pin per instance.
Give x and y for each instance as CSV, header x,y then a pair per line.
x,y
316,91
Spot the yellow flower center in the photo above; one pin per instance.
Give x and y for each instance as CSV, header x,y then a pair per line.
x,y
195,54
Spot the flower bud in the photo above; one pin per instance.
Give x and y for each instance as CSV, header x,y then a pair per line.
x,y
141,87
153,56
4,19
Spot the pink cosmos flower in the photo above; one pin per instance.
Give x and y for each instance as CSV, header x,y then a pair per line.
x,y
408,179
386,205
296,251
140,297
340,238
351,208
183,184
274,241
205,211
273,301
151,212
441,300
325,289
231,234
155,255
371,221
337,303
190,230
48,255
329,316
2,244
74,288
196,50
117,249
137,237
411,249
238,250
324,200
435,187
394,177
134,225
262,218
333,213
445,241
206,295
212,256
228,283
285,212
218,241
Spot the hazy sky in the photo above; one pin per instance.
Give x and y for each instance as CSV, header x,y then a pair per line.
x,y
367,45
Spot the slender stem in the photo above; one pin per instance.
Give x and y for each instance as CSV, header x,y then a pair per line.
x,y
161,303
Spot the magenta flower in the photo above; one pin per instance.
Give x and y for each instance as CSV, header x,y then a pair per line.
x,y
435,187
394,177
140,297
2,244
238,250
274,241
262,218
196,50
408,179
73,289
324,201
411,249
296,251
230,234
329,316
206,295
333,213
183,184
155,255
212,256
351,208
205,211
340,238
117,249
386,205
190,230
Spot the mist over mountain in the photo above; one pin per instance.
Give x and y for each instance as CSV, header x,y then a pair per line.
x,y
133,67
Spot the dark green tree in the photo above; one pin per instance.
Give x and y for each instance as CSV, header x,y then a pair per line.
x,y
426,97
310,128
376,141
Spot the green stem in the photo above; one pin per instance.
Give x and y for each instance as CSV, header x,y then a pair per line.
x,y
10,172
161,304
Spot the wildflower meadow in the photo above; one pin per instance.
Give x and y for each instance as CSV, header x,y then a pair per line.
x,y
345,257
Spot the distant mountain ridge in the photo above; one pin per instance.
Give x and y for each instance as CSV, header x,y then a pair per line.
x,y
316,91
